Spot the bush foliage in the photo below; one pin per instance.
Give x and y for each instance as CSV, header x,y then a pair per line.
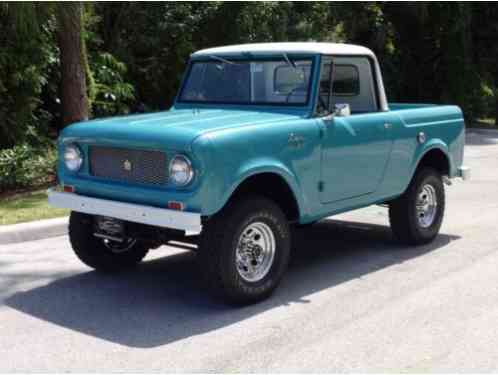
x,y
26,166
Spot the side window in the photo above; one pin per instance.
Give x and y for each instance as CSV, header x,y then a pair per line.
x,y
353,84
346,80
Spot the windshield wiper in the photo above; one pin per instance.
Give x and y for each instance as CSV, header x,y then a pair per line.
x,y
221,59
289,61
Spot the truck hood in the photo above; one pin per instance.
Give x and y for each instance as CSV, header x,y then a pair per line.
x,y
175,129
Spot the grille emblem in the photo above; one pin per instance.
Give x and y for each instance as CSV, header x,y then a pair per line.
x,y
127,165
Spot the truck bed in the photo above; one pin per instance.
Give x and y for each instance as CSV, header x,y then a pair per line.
x,y
442,124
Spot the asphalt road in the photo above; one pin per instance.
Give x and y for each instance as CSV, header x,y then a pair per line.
x,y
352,300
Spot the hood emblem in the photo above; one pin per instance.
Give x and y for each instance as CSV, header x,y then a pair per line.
x,y
127,166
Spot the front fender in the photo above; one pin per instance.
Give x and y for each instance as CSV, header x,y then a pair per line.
x,y
232,156
255,167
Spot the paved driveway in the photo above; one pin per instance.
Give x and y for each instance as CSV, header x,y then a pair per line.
x,y
353,300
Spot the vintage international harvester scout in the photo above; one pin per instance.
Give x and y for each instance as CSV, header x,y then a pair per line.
x,y
261,137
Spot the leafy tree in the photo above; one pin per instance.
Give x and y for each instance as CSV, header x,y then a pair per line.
x,y
29,18
24,69
62,62
153,40
485,35
112,94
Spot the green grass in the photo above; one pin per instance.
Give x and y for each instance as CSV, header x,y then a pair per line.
x,y
27,207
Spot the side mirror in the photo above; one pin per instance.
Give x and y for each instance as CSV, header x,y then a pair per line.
x,y
342,110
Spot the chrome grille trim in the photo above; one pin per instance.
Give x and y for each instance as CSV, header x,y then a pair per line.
x,y
149,167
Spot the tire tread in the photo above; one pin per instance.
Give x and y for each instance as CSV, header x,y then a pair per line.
x,y
216,238
401,215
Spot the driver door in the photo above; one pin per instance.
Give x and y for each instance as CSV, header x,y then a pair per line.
x,y
355,148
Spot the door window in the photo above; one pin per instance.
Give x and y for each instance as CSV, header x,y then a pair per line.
x,y
346,80
352,84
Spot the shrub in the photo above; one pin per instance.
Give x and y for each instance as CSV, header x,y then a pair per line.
x,y
113,95
25,166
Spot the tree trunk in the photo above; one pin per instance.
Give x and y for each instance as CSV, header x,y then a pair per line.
x,y
73,75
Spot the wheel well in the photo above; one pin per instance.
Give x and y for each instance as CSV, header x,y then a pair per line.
x,y
271,186
436,159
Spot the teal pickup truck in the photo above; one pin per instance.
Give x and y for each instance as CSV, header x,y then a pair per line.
x,y
261,137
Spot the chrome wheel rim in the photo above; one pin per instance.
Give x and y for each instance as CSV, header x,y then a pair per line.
x,y
426,206
255,252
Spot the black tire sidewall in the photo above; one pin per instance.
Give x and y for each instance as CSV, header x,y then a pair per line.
x,y
258,211
427,177
92,251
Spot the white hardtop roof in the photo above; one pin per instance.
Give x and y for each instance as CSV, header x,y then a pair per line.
x,y
275,48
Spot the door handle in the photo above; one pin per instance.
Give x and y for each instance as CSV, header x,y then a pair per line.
x,y
388,126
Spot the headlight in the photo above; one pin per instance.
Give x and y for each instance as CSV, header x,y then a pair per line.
x,y
180,170
72,157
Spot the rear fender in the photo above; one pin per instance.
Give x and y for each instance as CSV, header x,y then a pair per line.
x,y
433,144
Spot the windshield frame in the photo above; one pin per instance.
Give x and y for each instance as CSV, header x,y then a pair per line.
x,y
250,58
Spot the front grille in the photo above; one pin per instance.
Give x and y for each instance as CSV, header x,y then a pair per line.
x,y
129,165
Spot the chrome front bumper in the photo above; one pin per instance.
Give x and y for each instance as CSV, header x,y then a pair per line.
x,y
187,221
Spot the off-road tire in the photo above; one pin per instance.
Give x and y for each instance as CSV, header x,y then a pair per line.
x,y
219,239
92,250
403,214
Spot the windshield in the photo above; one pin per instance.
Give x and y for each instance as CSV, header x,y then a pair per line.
x,y
274,81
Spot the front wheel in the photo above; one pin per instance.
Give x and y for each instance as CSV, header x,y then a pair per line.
x,y
417,215
245,250
102,254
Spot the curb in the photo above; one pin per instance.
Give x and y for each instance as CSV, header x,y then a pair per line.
x,y
35,230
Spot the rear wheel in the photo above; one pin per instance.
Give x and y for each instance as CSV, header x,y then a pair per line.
x,y
417,215
100,253
245,250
